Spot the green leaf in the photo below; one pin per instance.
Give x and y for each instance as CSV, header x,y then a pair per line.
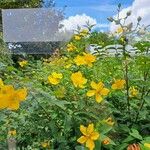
x,y
80,148
128,139
122,146
135,134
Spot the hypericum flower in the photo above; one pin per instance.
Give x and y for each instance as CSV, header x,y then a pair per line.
x,y
78,80
118,84
71,47
68,66
109,121
23,63
119,30
89,136
16,97
45,144
84,32
86,59
98,90
89,59
79,60
54,78
106,141
11,98
133,92
147,145
5,95
77,37
12,133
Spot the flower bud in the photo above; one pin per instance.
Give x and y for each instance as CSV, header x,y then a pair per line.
x,y
139,19
119,5
117,22
110,19
128,13
129,26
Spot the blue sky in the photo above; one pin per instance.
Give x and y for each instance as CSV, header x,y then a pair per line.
x,y
98,9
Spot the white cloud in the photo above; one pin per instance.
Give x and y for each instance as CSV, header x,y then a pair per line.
x,y
78,20
138,8
103,25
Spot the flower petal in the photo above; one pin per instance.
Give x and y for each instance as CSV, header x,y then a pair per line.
x,y
53,80
21,94
14,105
84,80
95,135
90,128
98,98
82,139
93,85
114,86
90,93
104,91
83,129
90,144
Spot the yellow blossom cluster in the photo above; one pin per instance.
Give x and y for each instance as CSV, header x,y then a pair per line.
x,y
55,78
11,98
77,37
78,79
45,144
12,133
133,91
85,59
118,84
98,90
89,136
84,32
23,63
71,47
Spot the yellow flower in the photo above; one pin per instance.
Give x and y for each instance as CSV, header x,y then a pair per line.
x,y
79,60
6,93
118,84
98,90
17,96
119,30
84,32
45,144
89,59
11,98
133,92
77,37
109,121
67,66
147,145
89,136
12,133
106,141
71,47
23,63
78,80
54,78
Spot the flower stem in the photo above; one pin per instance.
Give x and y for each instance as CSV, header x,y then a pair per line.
x,y
127,87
